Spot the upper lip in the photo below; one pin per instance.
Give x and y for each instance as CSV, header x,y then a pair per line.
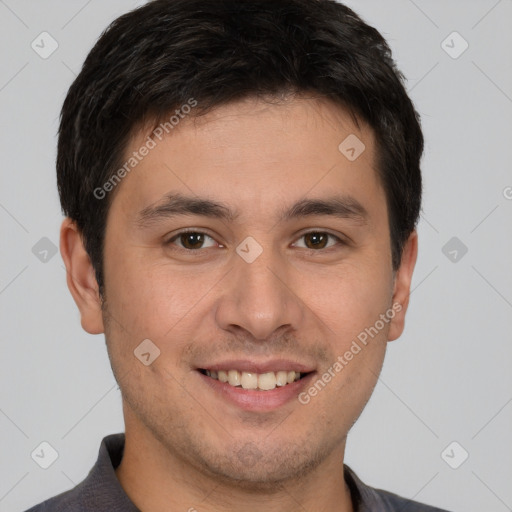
x,y
246,365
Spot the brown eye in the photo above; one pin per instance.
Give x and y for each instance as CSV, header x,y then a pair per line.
x,y
190,240
318,240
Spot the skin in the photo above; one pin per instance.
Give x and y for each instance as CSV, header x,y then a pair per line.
x,y
183,440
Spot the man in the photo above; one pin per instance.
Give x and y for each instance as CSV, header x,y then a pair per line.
x,y
241,185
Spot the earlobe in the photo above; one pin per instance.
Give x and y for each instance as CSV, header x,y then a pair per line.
x,y
80,277
402,286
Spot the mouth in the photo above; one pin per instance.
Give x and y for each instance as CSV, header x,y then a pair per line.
x,y
257,387
266,381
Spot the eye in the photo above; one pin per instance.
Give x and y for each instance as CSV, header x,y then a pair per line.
x,y
319,240
191,240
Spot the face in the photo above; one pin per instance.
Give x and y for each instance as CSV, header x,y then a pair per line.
x,y
286,272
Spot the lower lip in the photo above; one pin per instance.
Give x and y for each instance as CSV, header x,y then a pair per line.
x,y
256,400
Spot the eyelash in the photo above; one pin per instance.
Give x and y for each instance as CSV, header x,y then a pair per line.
x,y
194,231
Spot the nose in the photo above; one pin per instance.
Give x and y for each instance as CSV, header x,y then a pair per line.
x,y
259,297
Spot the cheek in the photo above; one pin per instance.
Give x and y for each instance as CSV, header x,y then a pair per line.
x,y
353,390
348,298
154,300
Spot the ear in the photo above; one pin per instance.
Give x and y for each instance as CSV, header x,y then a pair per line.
x,y
402,286
81,278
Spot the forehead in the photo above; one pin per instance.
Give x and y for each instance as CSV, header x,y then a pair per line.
x,y
255,154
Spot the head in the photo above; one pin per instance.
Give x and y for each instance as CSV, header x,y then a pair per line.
x,y
280,136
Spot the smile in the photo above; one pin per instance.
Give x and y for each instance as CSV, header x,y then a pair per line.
x,y
258,381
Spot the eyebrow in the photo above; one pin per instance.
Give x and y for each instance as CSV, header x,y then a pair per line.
x,y
176,204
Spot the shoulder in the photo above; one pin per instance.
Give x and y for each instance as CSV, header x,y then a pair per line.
x,y
394,502
68,501
370,499
100,491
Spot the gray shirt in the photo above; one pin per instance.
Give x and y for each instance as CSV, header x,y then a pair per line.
x,y
101,491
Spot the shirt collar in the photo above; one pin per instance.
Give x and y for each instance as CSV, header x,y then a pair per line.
x,y
101,489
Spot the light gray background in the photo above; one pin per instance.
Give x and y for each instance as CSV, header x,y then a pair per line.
x,y
447,379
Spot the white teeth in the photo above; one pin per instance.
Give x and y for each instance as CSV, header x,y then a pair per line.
x,y
249,380
234,377
267,381
281,378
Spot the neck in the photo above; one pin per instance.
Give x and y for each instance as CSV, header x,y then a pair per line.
x,y
157,481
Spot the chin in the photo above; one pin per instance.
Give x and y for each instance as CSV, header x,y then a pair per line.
x,y
249,467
